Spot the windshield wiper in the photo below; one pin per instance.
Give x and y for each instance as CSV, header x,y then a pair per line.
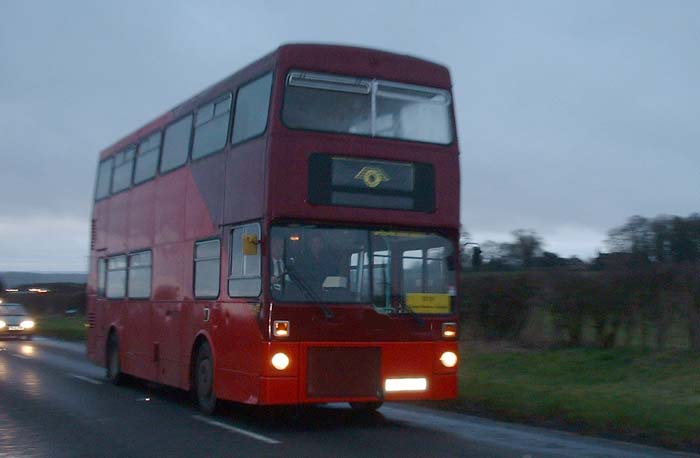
x,y
408,310
327,313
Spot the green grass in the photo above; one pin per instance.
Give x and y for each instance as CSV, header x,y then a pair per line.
x,y
629,393
62,327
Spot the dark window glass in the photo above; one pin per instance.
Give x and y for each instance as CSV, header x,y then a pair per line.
x,y
252,105
176,144
350,105
104,179
211,127
207,265
101,272
412,271
140,266
123,168
147,159
116,277
244,279
344,106
343,265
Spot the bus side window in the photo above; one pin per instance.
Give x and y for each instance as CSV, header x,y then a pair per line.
x,y
147,158
207,267
116,277
104,179
139,279
176,144
101,272
252,107
123,170
244,273
211,127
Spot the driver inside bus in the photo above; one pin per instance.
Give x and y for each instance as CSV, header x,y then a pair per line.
x,y
317,263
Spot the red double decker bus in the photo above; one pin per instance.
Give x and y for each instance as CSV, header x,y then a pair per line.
x,y
287,236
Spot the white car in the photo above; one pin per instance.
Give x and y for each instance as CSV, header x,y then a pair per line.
x,y
15,321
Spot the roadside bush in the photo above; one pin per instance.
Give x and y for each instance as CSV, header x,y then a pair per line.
x,y
570,296
499,303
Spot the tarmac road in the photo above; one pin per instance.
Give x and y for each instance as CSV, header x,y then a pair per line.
x,y
54,403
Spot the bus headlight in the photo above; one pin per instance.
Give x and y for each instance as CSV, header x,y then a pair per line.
x,y
448,359
280,361
27,324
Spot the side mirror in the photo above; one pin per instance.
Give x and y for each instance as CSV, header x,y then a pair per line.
x,y
250,244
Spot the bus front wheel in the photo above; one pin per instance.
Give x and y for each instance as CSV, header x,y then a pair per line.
x,y
204,380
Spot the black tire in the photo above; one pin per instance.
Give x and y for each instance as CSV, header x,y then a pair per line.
x,y
204,380
366,407
28,337
114,366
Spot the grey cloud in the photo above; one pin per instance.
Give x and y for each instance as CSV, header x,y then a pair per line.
x,y
571,114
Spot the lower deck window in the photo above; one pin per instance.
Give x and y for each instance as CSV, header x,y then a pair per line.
x,y
116,277
140,265
207,266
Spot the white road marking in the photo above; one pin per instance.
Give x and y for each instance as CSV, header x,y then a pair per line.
x,y
17,355
255,436
85,379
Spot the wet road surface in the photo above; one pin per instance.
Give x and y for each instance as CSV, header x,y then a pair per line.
x,y
54,403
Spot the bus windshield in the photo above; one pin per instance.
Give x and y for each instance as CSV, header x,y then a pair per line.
x,y
368,107
396,271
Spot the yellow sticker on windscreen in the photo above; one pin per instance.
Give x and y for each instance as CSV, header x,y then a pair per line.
x,y
428,303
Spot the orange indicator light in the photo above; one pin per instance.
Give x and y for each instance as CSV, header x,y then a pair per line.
x,y
280,328
449,330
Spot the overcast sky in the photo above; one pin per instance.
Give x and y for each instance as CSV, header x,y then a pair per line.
x,y
572,115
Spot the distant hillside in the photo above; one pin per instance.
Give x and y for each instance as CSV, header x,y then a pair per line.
x,y
13,279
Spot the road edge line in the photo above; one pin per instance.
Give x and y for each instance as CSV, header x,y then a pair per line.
x,y
260,437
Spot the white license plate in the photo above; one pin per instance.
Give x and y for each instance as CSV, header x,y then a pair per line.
x,y
15,328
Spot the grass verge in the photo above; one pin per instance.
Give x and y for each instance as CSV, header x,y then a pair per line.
x,y
62,327
623,393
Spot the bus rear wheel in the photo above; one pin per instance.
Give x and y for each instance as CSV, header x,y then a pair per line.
x,y
204,380
114,368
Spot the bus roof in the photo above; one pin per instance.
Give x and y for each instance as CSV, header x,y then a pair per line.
x,y
347,60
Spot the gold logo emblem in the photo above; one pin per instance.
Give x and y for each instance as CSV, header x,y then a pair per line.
x,y
372,176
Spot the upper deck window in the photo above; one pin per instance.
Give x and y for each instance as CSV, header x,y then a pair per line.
x,y
252,106
369,107
104,179
211,127
123,168
147,158
176,144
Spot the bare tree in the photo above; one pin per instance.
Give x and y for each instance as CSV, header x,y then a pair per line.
x,y
526,246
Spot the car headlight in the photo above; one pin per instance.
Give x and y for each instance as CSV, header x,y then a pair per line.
x,y
27,324
2,324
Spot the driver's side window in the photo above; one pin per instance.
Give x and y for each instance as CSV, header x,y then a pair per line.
x,y
244,273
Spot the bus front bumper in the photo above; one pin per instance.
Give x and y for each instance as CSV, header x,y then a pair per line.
x,y
321,372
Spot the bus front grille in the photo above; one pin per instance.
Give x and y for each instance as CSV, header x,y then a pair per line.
x,y
344,372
